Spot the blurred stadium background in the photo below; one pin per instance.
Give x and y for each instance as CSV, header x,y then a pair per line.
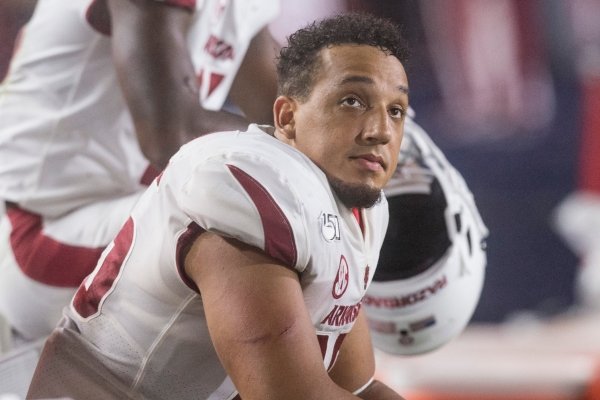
x,y
510,91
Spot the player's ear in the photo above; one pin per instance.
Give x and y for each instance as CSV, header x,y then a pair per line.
x,y
283,115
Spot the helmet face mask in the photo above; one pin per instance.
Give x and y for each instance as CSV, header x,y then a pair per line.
x,y
431,270
416,234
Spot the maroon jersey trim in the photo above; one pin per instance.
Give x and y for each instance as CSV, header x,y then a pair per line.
x,y
184,243
87,300
98,16
279,236
149,174
45,259
358,215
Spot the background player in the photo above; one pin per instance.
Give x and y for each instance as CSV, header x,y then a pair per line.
x,y
77,147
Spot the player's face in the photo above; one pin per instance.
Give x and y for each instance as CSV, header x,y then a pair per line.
x,y
352,124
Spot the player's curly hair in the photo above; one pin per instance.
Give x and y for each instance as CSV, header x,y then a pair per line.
x,y
298,62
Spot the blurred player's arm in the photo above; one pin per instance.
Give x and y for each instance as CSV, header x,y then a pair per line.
x,y
255,86
258,322
355,365
157,76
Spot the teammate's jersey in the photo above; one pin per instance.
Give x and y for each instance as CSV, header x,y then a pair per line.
x,y
142,317
66,137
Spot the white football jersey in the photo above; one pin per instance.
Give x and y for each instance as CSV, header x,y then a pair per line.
x,y
140,317
66,137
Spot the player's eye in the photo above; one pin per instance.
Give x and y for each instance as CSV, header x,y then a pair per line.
x,y
397,112
352,101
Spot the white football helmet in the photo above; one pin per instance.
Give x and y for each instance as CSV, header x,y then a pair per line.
x,y
432,264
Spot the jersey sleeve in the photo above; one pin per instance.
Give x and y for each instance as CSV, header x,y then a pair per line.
x,y
246,197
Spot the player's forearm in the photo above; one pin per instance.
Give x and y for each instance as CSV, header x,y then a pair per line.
x,y
379,391
150,57
254,88
158,79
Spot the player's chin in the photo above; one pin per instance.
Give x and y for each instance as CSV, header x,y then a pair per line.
x,y
363,194
374,181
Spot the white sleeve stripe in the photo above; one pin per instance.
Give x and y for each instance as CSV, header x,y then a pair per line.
x,y
363,387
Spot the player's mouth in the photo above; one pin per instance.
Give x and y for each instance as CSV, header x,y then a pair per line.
x,y
370,162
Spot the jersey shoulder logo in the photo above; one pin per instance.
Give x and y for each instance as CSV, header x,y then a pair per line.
x,y
219,48
330,227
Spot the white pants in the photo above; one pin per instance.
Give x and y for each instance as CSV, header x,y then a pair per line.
x,y
40,265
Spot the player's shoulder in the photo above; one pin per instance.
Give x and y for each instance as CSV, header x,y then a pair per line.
x,y
254,156
252,187
255,151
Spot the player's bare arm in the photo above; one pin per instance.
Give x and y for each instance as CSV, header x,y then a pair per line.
x,y
258,322
355,365
157,76
255,86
